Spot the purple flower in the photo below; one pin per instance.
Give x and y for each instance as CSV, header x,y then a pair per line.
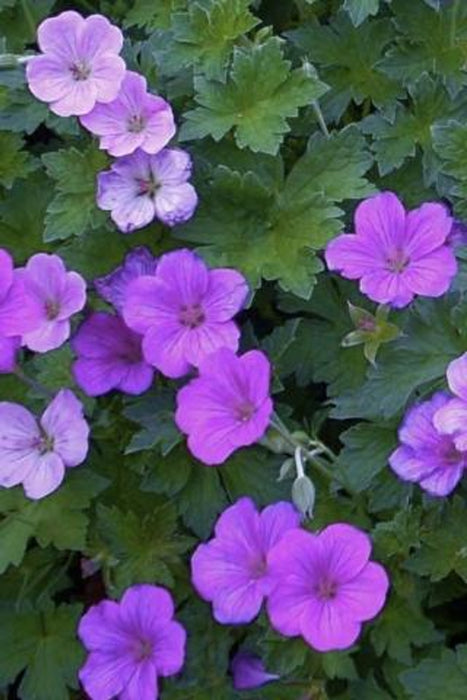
x,y
231,569
227,406
184,311
248,672
325,586
113,287
141,187
131,643
425,454
396,254
135,119
59,294
451,419
79,64
19,312
109,357
36,452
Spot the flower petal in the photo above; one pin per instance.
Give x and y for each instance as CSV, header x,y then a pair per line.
x,y
63,420
45,476
226,294
427,228
457,376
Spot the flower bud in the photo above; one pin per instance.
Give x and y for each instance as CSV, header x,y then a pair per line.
x,y
303,495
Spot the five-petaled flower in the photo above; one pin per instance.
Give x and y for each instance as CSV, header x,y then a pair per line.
x,y
395,254
131,644
141,187
326,587
231,570
425,454
184,311
227,406
135,119
36,452
79,65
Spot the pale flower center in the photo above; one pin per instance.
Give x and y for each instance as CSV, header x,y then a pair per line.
x,y
80,70
191,315
326,589
44,443
245,411
397,261
52,309
136,124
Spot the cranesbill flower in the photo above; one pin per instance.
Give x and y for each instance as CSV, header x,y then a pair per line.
x,y
184,311
231,570
395,254
113,287
426,455
131,644
58,293
79,64
326,587
227,406
36,452
451,419
135,119
249,672
109,357
141,187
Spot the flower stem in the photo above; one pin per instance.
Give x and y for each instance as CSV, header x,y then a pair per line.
x,y
33,384
29,17
320,118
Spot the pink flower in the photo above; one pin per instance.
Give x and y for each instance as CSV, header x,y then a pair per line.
x,y
451,419
184,311
326,587
79,65
231,569
395,254
141,187
135,119
131,644
113,287
248,672
426,455
36,453
227,406
58,294
109,357
19,312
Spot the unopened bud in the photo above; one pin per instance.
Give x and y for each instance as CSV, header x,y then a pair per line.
x,y
303,495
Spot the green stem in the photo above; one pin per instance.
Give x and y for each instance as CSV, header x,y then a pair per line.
x,y
33,384
29,17
320,118
454,13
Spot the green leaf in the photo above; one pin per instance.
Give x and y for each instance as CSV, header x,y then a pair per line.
x,y
450,144
44,643
151,14
20,111
442,677
359,10
259,116
15,163
275,235
204,35
73,210
155,414
365,454
57,519
139,548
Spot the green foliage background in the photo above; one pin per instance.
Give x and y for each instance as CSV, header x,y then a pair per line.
x,y
390,78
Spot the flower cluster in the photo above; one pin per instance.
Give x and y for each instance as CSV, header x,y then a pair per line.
x,y
81,73
321,586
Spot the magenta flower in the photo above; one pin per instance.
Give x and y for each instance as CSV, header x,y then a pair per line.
x,y
36,452
185,311
426,455
326,587
113,287
79,64
131,643
231,570
227,406
134,119
19,312
248,672
396,254
59,294
109,357
141,187
451,419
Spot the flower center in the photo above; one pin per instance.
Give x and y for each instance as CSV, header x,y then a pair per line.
x,y
258,567
367,324
148,187
449,454
245,411
136,124
191,315
52,309
44,443
143,650
397,261
80,70
326,589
